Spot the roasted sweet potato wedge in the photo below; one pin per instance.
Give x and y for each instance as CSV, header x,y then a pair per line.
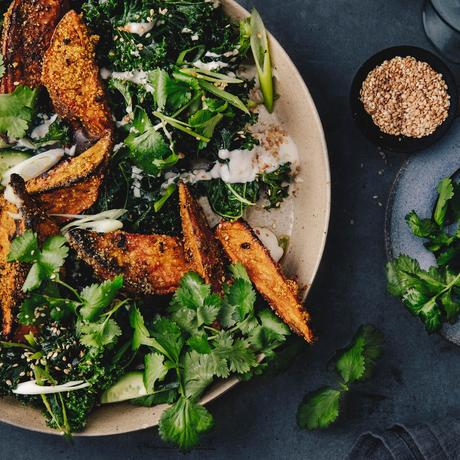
x,y
72,79
71,200
242,245
202,250
12,274
74,170
150,264
27,31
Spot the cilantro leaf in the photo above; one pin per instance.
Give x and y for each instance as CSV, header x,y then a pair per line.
x,y
199,343
97,297
207,313
241,294
147,147
446,192
183,422
237,353
319,409
192,291
34,278
154,371
198,372
169,337
239,272
98,335
16,110
53,254
422,228
24,248
358,360
169,92
270,334
141,335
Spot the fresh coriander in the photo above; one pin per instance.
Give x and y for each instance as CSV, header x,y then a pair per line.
x,y
321,408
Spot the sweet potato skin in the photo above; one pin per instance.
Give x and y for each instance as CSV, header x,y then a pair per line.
x,y
72,79
150,264
28,28
242,245
74,170
202,250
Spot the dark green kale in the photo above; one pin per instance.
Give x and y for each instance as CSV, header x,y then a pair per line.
x,y
118,191
178,26
276,185
231,200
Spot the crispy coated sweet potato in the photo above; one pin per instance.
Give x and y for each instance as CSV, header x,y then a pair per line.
x,y
72,79
202,249
74,170
150,264
27,31
71,200
12,274
242,245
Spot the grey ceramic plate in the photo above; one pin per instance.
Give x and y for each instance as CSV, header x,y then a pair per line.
x,y
415,189
304,219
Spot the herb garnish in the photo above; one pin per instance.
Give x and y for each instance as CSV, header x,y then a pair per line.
x,y
432,295
321,408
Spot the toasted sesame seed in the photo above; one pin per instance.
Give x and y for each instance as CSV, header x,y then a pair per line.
x,y
405,97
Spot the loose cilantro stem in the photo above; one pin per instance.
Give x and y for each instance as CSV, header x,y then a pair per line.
x,y
70,288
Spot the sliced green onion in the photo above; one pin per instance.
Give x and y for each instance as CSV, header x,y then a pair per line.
x,y
168,192
261,52
210,76
200,50
230,98
180,125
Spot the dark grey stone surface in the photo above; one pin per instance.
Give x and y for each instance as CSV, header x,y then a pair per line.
x,y
418,377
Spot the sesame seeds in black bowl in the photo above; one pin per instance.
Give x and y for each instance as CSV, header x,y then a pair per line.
x,y
404,99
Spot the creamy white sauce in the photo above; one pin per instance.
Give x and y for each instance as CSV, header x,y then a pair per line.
x,y
42,130
241,166
210,54
210,66
138,28
270,241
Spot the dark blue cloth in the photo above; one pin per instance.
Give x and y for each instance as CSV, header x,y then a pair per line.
x,y
427,441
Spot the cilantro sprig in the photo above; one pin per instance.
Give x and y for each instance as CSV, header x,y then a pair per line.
x,y
321,408
46,262
206,337
432,295
16,111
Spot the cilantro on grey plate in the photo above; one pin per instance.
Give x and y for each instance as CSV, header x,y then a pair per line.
x,y
432,295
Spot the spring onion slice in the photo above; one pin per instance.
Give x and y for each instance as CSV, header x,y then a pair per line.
x,y
226,96
34,166
261,52
32,388
104,222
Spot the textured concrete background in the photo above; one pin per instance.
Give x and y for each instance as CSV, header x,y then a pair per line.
x,y
419,374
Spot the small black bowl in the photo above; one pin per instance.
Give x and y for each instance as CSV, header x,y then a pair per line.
x,y
401,144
